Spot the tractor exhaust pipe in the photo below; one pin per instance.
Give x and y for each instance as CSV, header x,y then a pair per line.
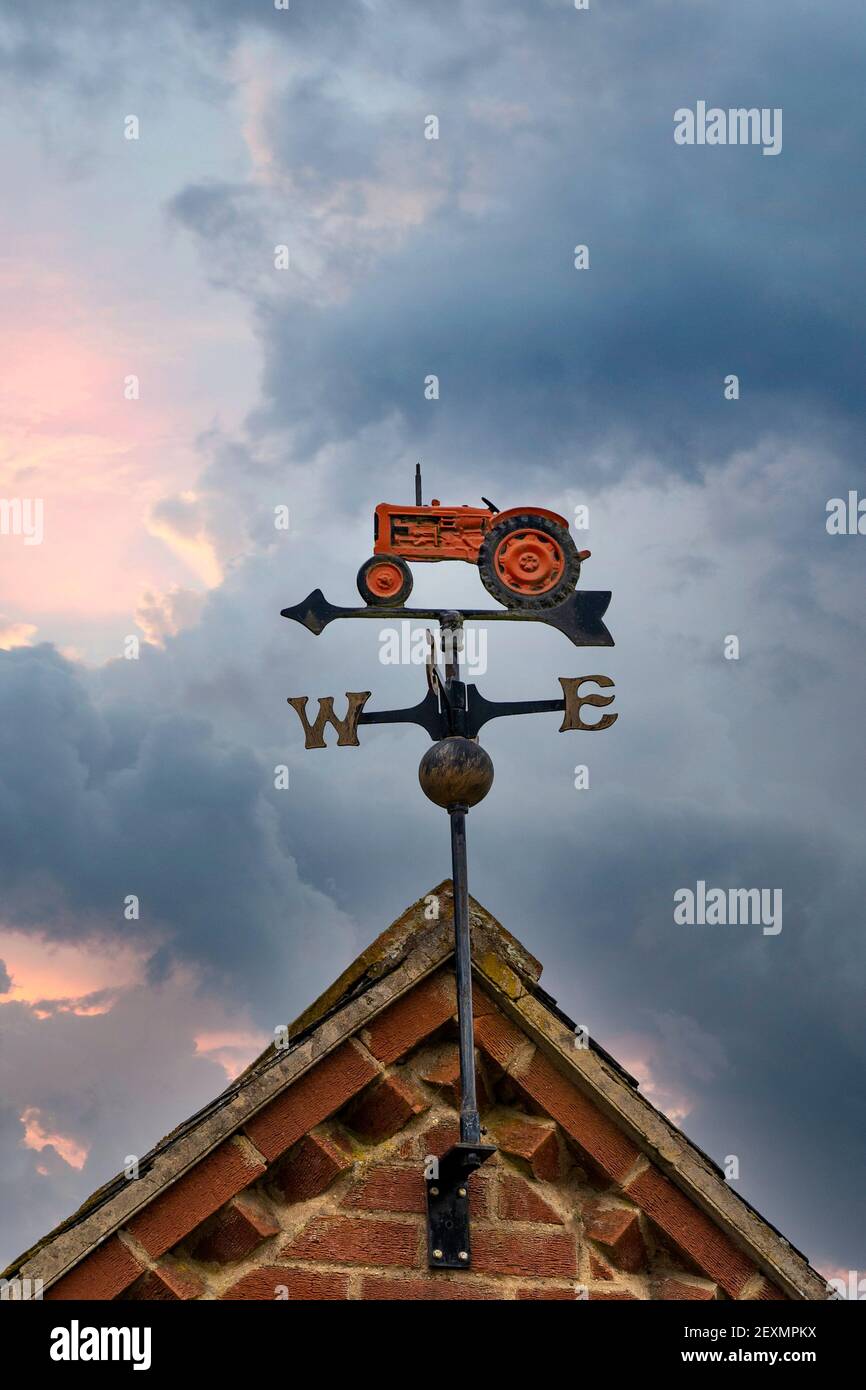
x,y
418,502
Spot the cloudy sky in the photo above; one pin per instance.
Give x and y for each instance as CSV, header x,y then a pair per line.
x,y
257,387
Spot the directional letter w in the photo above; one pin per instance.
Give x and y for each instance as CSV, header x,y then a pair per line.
x,y
347,729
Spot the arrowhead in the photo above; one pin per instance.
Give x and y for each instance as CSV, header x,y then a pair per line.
x,y
579,617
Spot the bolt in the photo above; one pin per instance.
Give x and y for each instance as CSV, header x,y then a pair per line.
x,y
434,1191
461,1192
437,1254
463,1255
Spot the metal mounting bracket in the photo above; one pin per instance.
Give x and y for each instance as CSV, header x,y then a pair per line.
x,y
448,1244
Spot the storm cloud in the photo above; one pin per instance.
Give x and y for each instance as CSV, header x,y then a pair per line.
x,y
562,387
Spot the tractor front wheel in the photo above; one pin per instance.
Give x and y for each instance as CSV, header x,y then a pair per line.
x,y
385,581
528,562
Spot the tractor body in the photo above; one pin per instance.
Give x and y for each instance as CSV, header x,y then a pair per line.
x,y
434,533
525,556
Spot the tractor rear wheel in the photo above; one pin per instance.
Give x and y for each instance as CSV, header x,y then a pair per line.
x,y
528,561
385,581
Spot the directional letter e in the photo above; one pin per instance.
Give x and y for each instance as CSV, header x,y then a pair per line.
x,y
574,703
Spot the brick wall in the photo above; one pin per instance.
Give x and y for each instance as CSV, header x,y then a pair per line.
x,y
321,1195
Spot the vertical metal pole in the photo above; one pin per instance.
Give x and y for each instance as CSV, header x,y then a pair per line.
x,y
451,634
470,1124
451,627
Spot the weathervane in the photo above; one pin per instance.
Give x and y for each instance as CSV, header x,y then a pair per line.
x,y
529,563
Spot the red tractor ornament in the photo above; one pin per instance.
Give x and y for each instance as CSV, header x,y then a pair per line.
x,y
525,556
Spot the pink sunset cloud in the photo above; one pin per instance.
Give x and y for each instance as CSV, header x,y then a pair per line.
x,y
231,1049
37,1137
100,451
671,1100
69,973
16,634
94,459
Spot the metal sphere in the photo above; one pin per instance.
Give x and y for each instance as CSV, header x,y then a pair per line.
x,y
456,772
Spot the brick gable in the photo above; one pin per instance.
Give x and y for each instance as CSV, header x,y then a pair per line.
x,y
318,1192
339,1211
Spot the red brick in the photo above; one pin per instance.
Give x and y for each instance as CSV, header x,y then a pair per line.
x,y
618,1230
550,1255
444,1074
386,1187
437,1139
676,1289
536,1144
300,1284
598,1269
109,1270
612,1296
443,1071
463,1289
195,1196
233,1234
494,1033
165,1284
769,1291
349,1240
309,1100
385,1108
693,1233
411,1019
482,1186
546,1293
310,1168
598,1137
519,1201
